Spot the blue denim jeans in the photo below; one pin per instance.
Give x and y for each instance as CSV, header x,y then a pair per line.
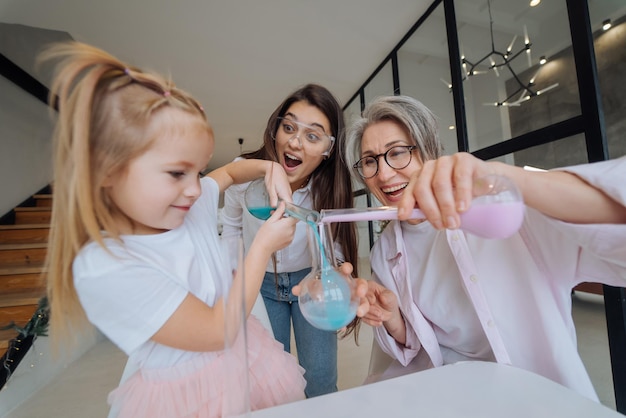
x,y
317,349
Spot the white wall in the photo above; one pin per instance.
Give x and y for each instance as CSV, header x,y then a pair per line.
x,y
25,145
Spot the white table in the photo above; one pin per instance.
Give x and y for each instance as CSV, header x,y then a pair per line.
x,y
470,389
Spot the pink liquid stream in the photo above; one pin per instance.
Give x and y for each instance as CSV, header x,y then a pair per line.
x,y
488,220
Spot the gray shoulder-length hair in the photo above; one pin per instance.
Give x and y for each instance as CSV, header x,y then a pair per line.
x,y
415,118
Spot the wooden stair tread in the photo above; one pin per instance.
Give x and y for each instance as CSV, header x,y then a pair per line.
x,y
15,267
23,246
22,299
5,336
4,271
24,226
32,209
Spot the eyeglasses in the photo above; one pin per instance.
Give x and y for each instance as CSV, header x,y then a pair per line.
x,y
396,157
316,140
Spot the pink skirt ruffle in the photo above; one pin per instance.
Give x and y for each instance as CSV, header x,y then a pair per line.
x,y
213,385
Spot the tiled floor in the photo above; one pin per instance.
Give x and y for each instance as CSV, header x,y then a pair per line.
x,y
82,388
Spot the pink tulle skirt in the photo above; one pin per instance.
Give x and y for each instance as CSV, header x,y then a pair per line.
x,y
213,385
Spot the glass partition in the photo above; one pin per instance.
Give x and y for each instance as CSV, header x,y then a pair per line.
x,y
509,89
610,49
368,231
352,111
381,84
424,71
520,82
564,152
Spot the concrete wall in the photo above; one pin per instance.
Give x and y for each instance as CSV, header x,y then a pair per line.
x,y
25,145
562,103
25,122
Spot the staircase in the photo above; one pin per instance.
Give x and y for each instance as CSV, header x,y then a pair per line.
x,y
23,246
27,362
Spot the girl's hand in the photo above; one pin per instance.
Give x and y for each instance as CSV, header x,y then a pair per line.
x,y
277,184
444,188
278,230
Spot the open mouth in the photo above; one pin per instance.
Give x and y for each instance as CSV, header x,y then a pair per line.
x,y
394,191
292,161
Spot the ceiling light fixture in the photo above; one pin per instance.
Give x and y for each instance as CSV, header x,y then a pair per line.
x,y
533,3
606,25
542,60
497,60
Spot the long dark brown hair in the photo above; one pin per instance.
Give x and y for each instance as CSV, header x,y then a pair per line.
x,y
331,185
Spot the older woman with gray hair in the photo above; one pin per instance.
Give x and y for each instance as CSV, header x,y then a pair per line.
x,y
439,295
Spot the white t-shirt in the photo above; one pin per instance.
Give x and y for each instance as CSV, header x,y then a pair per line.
x,y
130,292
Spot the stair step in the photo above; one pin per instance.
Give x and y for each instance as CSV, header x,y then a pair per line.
x,y
5,337
33,254
43,200
23,248
20,302
18,315
26,245
32,214
14,284
24,233
19,310
8,271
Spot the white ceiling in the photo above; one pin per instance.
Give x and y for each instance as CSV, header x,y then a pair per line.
x,y
240,58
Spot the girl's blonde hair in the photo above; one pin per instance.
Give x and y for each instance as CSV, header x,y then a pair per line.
x,y
105,108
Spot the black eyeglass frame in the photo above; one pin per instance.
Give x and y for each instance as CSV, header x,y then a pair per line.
x,y
358,166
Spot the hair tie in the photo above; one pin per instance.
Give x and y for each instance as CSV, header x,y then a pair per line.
x,y
166,93
126,71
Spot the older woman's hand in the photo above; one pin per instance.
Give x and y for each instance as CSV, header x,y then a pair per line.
x,y
361,288
444,188
382,304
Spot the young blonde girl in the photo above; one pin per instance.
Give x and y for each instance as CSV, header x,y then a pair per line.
x,y
134,248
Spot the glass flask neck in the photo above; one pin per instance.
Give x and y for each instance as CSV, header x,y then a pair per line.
x,y
308,216
322,246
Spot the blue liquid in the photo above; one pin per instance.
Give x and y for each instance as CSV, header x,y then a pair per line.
x,y
329,315
327,305
261,212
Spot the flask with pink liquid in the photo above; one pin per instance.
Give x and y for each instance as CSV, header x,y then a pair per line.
x,y
497,210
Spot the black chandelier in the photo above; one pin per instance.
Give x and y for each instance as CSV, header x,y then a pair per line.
x,y
498,60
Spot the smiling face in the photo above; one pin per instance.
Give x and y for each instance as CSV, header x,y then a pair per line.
x,y
299,156
388,184
157,189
